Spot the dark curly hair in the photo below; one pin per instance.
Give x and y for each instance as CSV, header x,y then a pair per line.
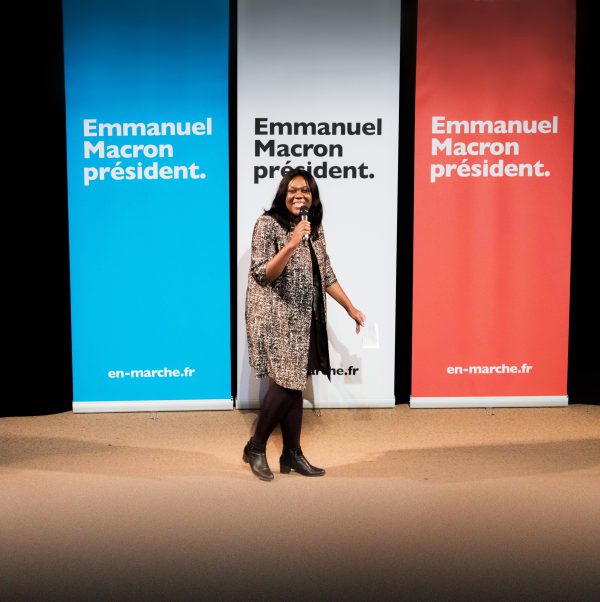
x,y
279,210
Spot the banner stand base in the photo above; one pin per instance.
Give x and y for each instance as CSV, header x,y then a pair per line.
x,y
385,402
162,405
531,401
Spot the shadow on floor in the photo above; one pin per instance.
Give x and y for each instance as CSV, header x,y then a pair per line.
x,y
71,455
459,464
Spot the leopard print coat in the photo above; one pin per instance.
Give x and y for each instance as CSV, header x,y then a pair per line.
x,y
278,313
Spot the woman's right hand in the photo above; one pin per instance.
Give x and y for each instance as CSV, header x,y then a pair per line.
x,y
275,266
302,228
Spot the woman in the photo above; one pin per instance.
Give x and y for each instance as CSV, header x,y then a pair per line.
x,y
286,316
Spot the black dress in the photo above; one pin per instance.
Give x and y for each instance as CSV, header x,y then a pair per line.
x,y
318,350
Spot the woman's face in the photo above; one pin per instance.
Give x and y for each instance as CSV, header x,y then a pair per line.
x,y
298,194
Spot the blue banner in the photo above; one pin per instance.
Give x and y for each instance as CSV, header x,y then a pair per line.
x,y
148,174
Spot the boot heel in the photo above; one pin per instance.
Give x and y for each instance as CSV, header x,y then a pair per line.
x,y
284,469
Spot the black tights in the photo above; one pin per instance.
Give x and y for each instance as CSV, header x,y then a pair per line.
x,y
280,406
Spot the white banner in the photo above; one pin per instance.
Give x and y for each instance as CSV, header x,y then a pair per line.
x,y
318,88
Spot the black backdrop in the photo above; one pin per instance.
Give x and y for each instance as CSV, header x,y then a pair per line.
x,y
37,366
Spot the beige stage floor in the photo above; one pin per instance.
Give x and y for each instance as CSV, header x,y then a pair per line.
x,y
470,504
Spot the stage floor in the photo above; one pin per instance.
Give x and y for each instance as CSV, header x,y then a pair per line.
x,y
499,504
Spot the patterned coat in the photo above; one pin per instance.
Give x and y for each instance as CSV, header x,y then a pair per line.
x,y
278,314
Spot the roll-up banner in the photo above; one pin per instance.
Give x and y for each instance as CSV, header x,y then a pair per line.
x,y
493,183
147,153
318,88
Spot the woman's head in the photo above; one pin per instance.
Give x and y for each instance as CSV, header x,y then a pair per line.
x,y
297,188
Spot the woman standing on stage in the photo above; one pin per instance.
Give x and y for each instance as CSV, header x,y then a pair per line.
x,y
286,316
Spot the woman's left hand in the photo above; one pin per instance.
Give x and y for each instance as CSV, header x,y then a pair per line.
x,y
358,317
336,291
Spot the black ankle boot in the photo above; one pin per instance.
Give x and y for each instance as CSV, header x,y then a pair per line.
x,y
258,462
293,459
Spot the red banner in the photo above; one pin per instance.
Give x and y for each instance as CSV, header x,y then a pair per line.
x,y
493,184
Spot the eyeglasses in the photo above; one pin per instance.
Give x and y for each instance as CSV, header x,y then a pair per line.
x,y
304,190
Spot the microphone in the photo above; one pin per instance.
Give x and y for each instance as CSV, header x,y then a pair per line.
x,y
304,218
